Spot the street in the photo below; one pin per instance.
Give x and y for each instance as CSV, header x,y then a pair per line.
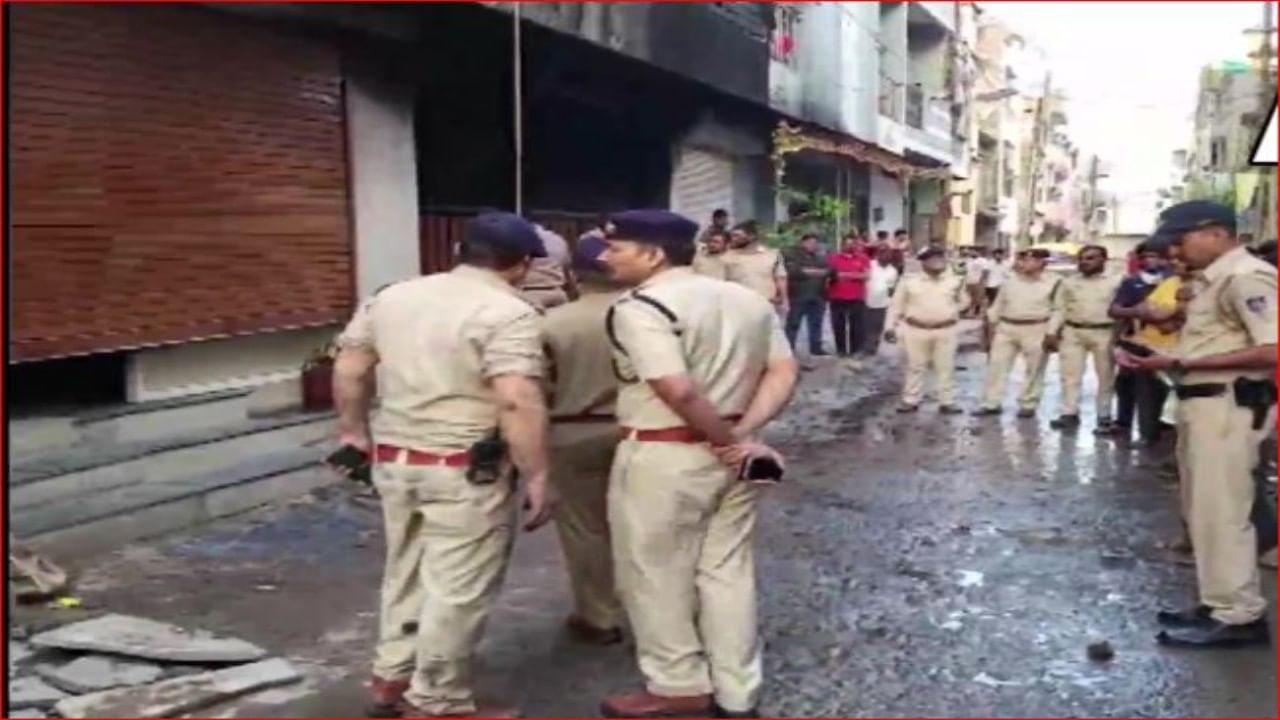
x,y
912,566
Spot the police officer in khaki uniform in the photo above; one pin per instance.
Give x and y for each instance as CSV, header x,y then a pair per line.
x,y
703,365
584,435
1224,367
1084,329
1020,317
458,355
929,306
550,281
710,258
752,265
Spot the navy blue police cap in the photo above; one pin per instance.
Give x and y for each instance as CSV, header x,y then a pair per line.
x,y
586,256
1194,215
504,230
653,226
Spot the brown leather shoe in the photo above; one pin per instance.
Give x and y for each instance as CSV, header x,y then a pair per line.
x,y
644,704
386,697
584,632
484,709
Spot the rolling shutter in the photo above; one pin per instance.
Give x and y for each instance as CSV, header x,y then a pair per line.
x,y
702,182
176,174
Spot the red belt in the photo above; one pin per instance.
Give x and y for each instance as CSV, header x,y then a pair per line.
x,y
686,435
582,418
408,456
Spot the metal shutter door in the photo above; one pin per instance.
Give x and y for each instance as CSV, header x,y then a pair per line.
x,y
702,182
176,174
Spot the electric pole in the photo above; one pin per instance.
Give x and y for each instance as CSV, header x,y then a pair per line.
x,y
1264,216
1038,139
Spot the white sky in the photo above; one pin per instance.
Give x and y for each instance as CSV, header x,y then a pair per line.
x,y
1131,71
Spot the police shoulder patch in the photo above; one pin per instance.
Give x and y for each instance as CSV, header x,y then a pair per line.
x,y
1257,303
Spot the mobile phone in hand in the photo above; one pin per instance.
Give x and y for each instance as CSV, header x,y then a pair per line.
x,y
352,460
761,470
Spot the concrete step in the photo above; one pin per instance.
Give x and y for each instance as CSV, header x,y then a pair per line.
x,y
107,519
86,470
141,471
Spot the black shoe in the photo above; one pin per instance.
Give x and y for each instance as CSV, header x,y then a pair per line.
x,y
1066,422
722,713
1025,414
1104,428
985,412
1190,617
1215,634
819,353
905,409
949,410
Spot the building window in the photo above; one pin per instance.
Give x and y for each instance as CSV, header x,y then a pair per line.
x,y
782,44
1218,153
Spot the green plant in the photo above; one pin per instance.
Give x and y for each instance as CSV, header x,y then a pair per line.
x,y
818,212
324,355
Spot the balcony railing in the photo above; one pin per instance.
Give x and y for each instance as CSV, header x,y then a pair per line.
x,y
915,107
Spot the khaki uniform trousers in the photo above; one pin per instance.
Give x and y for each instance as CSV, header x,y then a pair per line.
x,y
926,348
448,543
1078,345
581,458
682,530
1010,343
1217,451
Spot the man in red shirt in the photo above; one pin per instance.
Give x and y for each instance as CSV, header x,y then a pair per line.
x,y
848,292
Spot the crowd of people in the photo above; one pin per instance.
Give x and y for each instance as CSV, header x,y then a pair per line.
x,y
622,385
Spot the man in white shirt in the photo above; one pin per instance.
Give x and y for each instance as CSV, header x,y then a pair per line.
x,y
998,271
975,279
880,285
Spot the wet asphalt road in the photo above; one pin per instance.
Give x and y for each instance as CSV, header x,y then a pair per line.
x,y
917,565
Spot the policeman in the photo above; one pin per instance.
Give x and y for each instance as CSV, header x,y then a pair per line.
x,y
1020,317
550,281
930,306
703,365
584,435
1084,329
710,257
749,263
1223,367
458,355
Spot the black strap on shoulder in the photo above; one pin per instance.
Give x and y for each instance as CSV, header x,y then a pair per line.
x,y
666,311
613,334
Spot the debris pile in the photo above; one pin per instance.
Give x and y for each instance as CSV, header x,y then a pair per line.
x,y
121,666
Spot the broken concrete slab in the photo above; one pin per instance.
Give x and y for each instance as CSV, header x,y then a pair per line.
x,y
32,692
143,638
169,698
93,673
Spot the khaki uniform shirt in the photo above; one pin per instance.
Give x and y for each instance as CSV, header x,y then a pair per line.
x,y
713,266
1085,301
580,358
1234,308
438,339
758,269
1024,298
721,335
544,284
928,300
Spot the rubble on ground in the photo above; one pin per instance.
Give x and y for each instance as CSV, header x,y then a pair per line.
x,y
122,666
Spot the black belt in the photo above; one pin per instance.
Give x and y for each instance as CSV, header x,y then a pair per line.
x,y
1201,390
1090,326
